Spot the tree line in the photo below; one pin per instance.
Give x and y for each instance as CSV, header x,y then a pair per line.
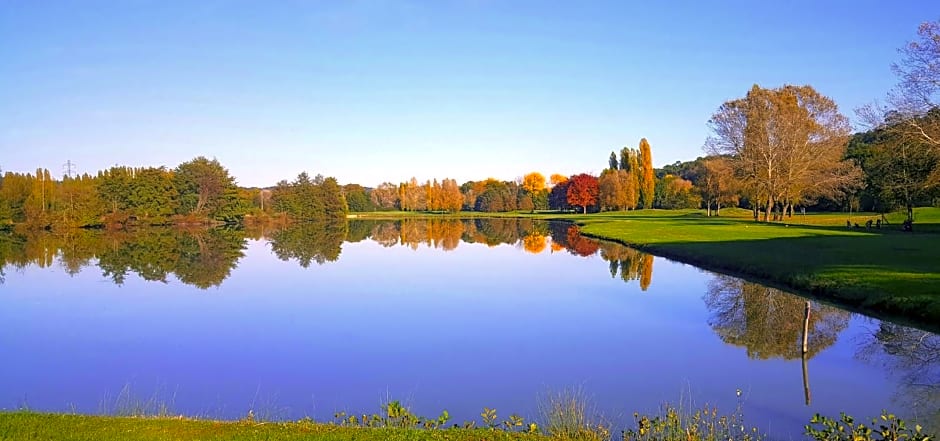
x,y
195,192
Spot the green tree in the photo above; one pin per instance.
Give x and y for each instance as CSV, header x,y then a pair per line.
x,y
81,205
151,194
334,204
899,169
201,183
114,186
357,198
308,199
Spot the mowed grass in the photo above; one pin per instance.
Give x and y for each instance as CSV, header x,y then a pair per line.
x,y
27,426
884,271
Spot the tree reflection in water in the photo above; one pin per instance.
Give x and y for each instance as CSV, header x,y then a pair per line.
x,y
912,356
768,322
204,257
196,256
771,323
319,242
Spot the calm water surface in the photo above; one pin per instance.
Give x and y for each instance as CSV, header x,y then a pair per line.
x,y
452,315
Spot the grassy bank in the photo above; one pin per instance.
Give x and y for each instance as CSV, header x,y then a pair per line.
x,y
27,426
671,425
886,272
883,272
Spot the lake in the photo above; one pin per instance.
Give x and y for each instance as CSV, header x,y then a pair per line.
x,y
439,314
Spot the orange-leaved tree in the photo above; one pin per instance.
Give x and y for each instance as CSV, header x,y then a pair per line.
x,y
647,179
582,191
533,182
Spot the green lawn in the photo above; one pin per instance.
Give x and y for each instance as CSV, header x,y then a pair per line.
x,y
882,271
27,426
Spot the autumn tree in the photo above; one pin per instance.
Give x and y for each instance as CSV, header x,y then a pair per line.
x,y
717,184
677,193
533,184
629,163
14,190
451,197
39,203
786,145
557,178
433,198
611,192
413,196
385,196
646,177
583,191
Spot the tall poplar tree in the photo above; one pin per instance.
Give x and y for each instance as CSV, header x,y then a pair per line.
x,y
647,178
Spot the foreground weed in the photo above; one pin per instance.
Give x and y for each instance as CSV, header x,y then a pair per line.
x,y
705,424
568,415
888,428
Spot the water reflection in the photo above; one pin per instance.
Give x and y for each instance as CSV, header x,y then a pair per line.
x,y
592,305
309,242
771,323
198,257
912,357
205,257
768,322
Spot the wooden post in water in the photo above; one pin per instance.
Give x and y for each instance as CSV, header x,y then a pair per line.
x,y
806,393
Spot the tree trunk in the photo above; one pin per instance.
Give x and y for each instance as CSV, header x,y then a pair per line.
x,y
717,208
770,207
585,208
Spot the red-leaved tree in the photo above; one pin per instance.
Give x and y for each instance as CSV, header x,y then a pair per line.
x,y
583,191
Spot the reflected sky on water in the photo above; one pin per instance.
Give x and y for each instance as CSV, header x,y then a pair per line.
x,y
452,315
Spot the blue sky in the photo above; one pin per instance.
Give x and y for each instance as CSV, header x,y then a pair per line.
x,y
373,91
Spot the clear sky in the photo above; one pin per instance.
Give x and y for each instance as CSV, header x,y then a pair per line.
x,y
373,91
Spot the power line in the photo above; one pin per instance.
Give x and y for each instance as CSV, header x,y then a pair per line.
x,y
69,168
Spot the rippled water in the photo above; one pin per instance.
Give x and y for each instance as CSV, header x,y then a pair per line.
x,y
440,314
